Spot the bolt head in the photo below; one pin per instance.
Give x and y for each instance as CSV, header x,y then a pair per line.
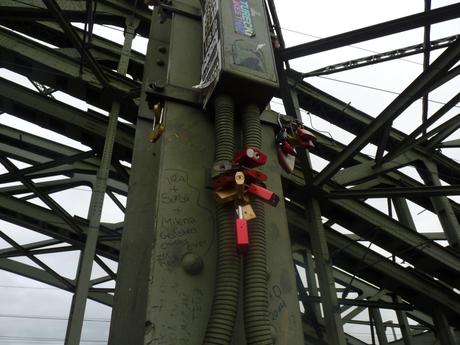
x,y
192,263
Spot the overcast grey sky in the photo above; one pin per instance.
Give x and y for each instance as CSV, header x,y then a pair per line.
x,y
303,20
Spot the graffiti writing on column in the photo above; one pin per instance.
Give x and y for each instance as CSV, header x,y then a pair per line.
x,y
177,223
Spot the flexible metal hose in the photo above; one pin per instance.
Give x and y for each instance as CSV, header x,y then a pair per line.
x,y
226,292
256,320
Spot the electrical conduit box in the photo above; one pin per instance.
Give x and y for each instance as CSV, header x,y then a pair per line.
x,y
237,52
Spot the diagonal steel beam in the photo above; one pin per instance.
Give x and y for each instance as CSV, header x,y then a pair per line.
x,y
408,192
106,268
30,246
381,57
42,196
443,131
408,142
37,261
417,88
374,31
20,252
48,223
46,278
51,164
75,39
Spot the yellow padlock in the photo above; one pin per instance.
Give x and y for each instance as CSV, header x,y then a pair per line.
x,y
248,212
158,123
224,196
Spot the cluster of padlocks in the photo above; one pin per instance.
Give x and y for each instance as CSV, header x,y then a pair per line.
x,y
292,134
239,182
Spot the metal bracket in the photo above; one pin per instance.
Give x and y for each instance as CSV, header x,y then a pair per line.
x,y
179,7
157,91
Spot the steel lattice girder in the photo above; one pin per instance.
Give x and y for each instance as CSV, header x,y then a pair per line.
x,y
112,12
106,52
50,158
424,292
355,121
386,232
328,148
364,218
44,221
55,69
89,129
417,88
92,134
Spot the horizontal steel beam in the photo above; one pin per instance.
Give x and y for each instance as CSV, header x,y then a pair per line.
x,y
364,303
434,236
374,31
389,325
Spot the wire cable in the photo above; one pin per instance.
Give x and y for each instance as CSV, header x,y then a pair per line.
x,y
44,317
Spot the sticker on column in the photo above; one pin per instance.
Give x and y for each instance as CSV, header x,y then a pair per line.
x,y
249,55
242,18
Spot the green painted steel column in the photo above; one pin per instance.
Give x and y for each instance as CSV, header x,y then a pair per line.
x,y
167,267
128,321
85,265
323,260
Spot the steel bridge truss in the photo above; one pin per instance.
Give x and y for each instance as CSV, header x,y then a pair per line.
x,y
419,280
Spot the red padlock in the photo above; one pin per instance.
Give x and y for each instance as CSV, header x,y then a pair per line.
x,y
305,138
250,157
288,148
264,194
286,160
223,181
254,176
241,232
